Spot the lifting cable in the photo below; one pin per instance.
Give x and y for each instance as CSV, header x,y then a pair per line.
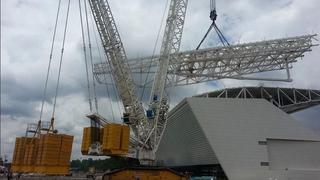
x,y
113,85
154,51
85,56
50,60
108,70
105,75
91,59
213,17
60,63
221,37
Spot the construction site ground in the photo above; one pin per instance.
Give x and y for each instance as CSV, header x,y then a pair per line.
x,y
30,177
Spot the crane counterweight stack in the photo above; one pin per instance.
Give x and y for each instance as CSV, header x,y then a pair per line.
x,y
42,151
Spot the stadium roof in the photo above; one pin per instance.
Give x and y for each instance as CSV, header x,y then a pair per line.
x,y
290,100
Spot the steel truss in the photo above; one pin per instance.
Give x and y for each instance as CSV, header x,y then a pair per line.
x,y
145,131
290,100
234,62
117,58
170,45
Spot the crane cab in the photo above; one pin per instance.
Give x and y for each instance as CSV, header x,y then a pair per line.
x,y
126,118
150,114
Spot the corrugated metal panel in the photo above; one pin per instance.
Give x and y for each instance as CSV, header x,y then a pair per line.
x,y
112,137
17,156
65,150
125,136
233,129
293,155
51,149
184,143
31,153
86,140
115,139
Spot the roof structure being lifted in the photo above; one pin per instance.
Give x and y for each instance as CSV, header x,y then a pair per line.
x,y
250,138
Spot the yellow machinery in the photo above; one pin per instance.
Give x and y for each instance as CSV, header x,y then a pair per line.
x,y
144,174
113,138
43,153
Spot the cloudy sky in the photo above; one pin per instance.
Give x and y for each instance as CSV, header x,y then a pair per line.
x,y
26,33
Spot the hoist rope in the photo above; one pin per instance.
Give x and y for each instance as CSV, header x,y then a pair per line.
x,y
85,56
50,60
221,34
114,88
113,85
212,5
221,37
205,36
213,17
105,75
154,51
91,59
118,99
61,58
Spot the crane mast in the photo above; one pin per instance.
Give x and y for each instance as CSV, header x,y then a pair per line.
x,y
117,59
158,103
147,132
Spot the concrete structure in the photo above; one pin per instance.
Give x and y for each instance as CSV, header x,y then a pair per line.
x,y
250,138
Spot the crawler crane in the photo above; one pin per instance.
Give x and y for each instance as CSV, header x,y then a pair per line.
x,y
179,68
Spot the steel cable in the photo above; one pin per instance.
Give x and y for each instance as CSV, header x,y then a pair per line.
x,y
213,17
85,56
91,59
154,51
50,60
104,76
113,85
61,58
205,36
219,32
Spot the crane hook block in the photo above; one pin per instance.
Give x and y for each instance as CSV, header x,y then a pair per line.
x,y
213,15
